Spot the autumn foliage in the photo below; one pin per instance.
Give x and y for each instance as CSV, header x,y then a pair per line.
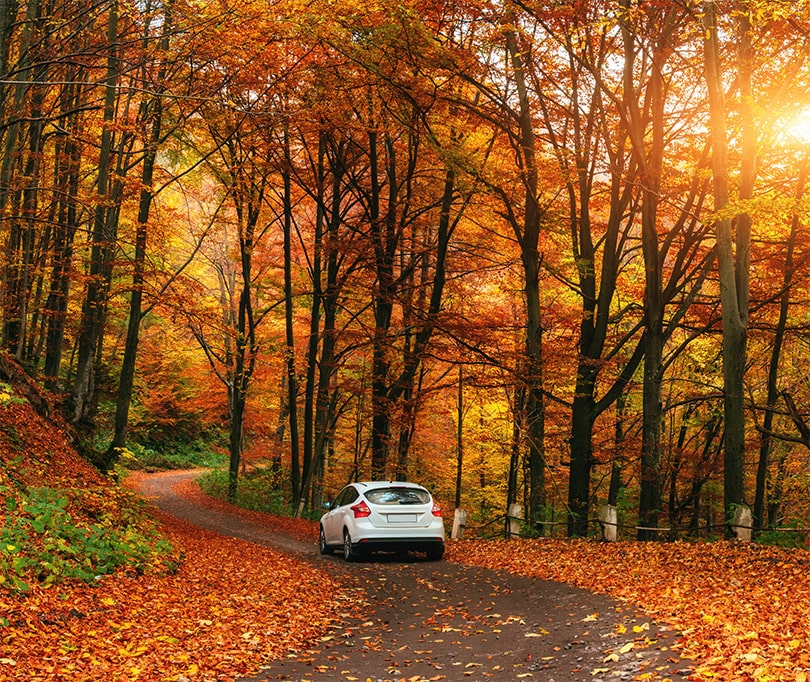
x,y
210,607
230,606
222,606
742,608
409,239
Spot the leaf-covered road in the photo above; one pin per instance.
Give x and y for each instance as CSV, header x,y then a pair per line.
x,y
420,620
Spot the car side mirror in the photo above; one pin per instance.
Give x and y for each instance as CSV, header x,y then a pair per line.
x,y
326,505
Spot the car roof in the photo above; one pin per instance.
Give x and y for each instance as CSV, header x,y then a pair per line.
x,y
370,485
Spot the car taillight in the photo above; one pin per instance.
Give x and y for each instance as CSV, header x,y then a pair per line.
x,y
437,510
361,510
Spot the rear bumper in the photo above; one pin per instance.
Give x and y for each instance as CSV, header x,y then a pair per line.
x,y
419,544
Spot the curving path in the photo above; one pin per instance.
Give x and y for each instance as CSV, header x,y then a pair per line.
x,y
443,621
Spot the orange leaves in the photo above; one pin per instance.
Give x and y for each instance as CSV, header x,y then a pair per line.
x,y
231,606
742,609
303,529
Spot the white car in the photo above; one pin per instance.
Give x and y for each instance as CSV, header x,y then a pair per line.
x,y
370,516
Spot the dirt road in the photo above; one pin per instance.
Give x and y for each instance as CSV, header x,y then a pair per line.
x,y
423,620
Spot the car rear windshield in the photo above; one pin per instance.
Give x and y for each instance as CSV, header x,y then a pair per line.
x,y
398,496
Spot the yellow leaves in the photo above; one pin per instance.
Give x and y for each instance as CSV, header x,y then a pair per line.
x,y
743,606
132,651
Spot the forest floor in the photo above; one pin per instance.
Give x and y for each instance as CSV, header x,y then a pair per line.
x,y
250,598
415,619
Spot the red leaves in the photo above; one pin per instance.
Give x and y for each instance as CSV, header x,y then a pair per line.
x,y
231,606
303,529
741,608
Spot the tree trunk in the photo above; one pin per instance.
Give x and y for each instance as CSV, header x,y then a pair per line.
x,y
616,465
292,380
127,377
314,334
236,414
649,159
67,177
104,230
733,273
765,442
383,230
8,19
324,408
459,434
19,237
19,287
579,483
528,237
518,430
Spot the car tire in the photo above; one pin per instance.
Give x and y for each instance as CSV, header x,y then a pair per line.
x,y
348,551
435,554
323,548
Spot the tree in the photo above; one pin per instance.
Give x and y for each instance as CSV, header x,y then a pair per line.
x,y
154,120
733,241
409,202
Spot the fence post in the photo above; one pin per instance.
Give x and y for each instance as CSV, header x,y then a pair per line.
x,y
459,524
609,520
515,519
743,522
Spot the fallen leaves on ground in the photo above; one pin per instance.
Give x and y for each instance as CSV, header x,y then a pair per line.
x,y
231,606
302,529
743,609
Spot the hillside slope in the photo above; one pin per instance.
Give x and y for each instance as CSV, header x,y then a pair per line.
x,y
95,585
36,444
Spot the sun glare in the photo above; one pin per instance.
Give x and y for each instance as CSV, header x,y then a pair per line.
x,y
799,128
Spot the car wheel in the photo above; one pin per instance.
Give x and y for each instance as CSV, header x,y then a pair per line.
x,y
348,551
435,554
323,548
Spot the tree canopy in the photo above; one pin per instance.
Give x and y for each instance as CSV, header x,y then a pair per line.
x,y
541,253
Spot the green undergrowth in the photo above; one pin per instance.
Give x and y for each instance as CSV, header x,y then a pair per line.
x,y
260,490
51,535
171,456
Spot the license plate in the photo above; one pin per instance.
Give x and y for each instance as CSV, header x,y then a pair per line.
x,y
401,518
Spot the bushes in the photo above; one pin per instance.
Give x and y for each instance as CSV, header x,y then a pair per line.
x,y
42,541
175,455
258,491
